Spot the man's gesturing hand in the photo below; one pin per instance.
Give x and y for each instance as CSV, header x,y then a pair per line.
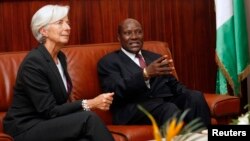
x,y
161,66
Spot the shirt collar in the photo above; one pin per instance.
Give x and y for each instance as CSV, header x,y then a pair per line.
x,y
129,54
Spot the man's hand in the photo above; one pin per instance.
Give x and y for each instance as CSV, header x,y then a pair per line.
x,y
161,66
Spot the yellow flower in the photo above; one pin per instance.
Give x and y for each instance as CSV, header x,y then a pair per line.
x,y
174,127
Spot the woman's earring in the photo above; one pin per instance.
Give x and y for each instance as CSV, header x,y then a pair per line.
x,y
43,39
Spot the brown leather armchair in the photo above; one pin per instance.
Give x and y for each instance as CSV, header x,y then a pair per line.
x,y
222,107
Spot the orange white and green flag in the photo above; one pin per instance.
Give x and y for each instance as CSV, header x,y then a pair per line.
x,y
232,54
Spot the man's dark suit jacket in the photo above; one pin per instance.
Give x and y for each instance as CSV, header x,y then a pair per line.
x,y
39,92
119,74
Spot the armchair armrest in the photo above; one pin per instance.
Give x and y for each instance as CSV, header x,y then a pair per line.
x,y
133,132
5,137
223,107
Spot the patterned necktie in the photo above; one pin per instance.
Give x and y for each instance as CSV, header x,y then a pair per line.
x,y
141,61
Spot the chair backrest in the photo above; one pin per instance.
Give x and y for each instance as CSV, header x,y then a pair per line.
x,y
82,66
83,59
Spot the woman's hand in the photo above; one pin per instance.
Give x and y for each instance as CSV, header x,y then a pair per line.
x,y
102,101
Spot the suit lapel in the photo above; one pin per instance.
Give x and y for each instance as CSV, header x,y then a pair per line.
x,y
53,68
64,65
130,65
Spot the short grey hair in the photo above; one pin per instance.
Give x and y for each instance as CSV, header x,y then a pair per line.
x,y
45,15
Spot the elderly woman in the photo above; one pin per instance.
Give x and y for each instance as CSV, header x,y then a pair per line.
x,y
40,111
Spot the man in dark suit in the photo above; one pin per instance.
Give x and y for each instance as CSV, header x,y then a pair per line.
x,y
151,85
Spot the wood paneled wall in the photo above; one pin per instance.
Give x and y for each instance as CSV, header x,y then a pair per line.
x,y
187,25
